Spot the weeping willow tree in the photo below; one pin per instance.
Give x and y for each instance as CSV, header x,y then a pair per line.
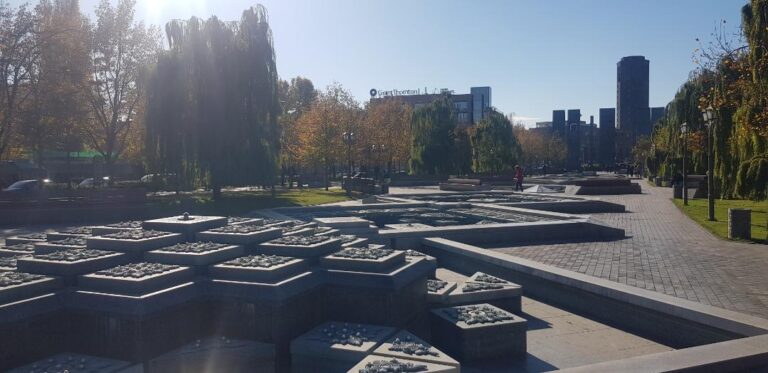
x,y
432,138
735,84
494,146
752,113
212,115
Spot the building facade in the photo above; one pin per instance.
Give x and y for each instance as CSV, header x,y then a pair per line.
x,y
607,137
632,86
656,114
469,108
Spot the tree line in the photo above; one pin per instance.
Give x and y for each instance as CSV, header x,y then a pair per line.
x,y
208,106
732,79
69,83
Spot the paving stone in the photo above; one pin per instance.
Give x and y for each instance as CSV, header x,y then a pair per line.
x,y
666,252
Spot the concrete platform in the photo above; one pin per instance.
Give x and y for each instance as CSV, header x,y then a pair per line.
x,y
109,242
314,250
243,234
376,363
489,332
240,269
335,346
68,264
17,249
188,227
381,261
133,304
29,238
437,291
63,244
176,255
130,283
74,363
273,292
16,286
405,345
343,222
217,354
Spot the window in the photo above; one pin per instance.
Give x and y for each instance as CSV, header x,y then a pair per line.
x,y
461,105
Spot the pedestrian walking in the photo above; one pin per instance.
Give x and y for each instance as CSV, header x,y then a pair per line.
x,y
518,178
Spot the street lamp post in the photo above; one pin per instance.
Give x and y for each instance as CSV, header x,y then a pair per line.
x,y
709,120
349,138
684,131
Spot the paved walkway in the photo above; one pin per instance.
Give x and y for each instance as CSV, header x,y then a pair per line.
x,y
667,252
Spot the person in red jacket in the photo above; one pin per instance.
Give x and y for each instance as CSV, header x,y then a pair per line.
x,y
518,178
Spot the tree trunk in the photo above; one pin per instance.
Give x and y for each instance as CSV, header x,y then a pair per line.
x,y
325,177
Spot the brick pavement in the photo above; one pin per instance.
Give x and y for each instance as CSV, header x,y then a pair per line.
x,y
666,252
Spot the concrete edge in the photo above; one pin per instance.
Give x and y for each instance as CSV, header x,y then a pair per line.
x,y
730,356
731,321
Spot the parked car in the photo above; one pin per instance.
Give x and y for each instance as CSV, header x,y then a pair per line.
x,y
23,186
87,183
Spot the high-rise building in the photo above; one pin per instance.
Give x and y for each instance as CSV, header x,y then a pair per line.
x,y
656,114
632,112
607,148
481,101
574,117
558,122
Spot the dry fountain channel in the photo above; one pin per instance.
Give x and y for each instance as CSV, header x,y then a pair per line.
x,y
403,285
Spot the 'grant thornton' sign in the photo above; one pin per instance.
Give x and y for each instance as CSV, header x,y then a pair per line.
x,y
404,92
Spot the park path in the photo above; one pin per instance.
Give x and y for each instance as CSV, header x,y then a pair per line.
x,y
667,252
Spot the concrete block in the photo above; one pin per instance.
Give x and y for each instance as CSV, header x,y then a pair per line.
x,y
258,268
300,247
136,278
335,346
72,262
65,244
101,230
405,345
343,222
194,254
477,332
504,296
29,238
71,362
376,363
134,241
186,224
243,234
437,291
217,354
271,292
363,259
18,249
133,304
18,285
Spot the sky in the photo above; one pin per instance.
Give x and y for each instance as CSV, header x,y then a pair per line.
x,y
536,55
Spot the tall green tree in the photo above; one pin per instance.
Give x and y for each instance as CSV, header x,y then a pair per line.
x,y
432,142
120,50
58,92
494,146
213,103
296,97
19,53
752,173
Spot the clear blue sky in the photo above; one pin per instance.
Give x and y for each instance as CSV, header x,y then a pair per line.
x,y
536,55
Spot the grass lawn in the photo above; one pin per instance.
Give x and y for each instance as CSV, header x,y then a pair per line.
x,y
697,210
234,203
